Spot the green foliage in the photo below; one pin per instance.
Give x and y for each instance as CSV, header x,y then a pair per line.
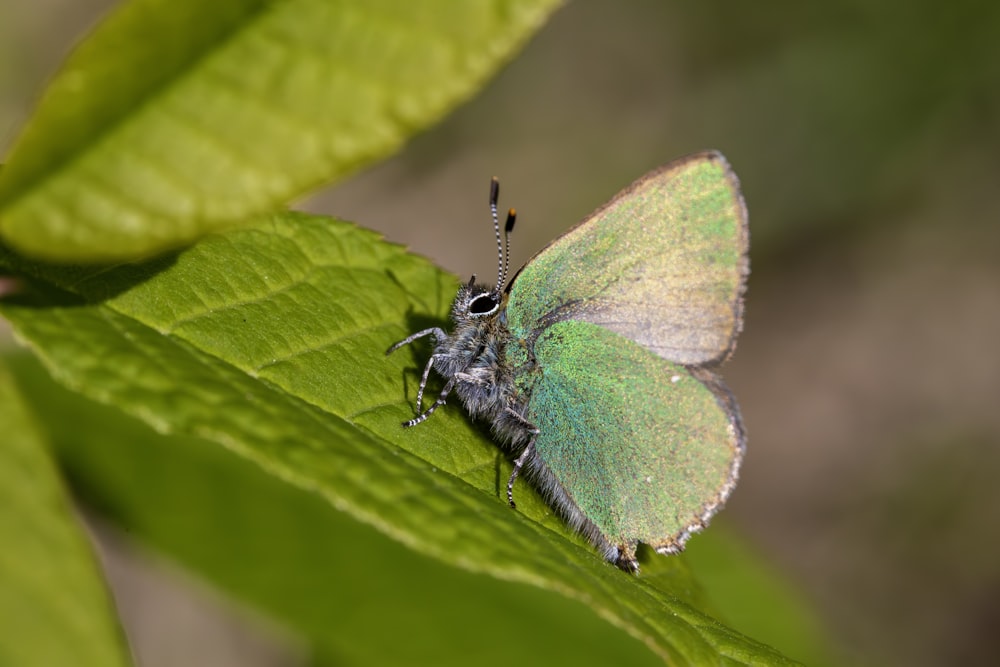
x,y
54,609
269,340
180,117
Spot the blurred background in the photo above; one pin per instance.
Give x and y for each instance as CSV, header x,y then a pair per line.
x,y
867,138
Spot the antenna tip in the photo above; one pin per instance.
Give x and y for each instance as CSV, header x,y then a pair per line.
x,y
511,217
494,191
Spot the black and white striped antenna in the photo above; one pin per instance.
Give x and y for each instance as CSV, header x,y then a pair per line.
x,y
503,248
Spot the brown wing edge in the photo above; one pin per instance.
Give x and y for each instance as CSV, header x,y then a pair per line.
x,y
739,306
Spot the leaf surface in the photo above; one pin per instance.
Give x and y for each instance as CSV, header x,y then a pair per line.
x,y
55,609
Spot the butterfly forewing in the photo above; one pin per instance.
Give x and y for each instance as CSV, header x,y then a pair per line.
x,y
664,264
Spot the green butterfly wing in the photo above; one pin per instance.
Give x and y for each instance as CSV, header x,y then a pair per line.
x,y
622,319
664,263
640,446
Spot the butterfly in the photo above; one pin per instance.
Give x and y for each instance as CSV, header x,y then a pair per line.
x,y
596,364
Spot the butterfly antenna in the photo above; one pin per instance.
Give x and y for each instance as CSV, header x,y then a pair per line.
x,y
507,229
494,196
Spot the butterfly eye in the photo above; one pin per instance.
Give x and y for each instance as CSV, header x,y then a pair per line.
x,y
484,304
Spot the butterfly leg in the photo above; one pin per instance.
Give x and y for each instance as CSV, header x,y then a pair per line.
x,y
529,449
441,400
626,559
423,382
437,332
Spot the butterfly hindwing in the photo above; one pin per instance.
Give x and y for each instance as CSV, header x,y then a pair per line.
x,y
635,443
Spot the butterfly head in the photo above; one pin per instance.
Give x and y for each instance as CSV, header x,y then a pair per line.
x,y
476,301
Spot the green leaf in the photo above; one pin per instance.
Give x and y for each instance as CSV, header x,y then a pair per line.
x,y
178,117
54,609
271,342
341,584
